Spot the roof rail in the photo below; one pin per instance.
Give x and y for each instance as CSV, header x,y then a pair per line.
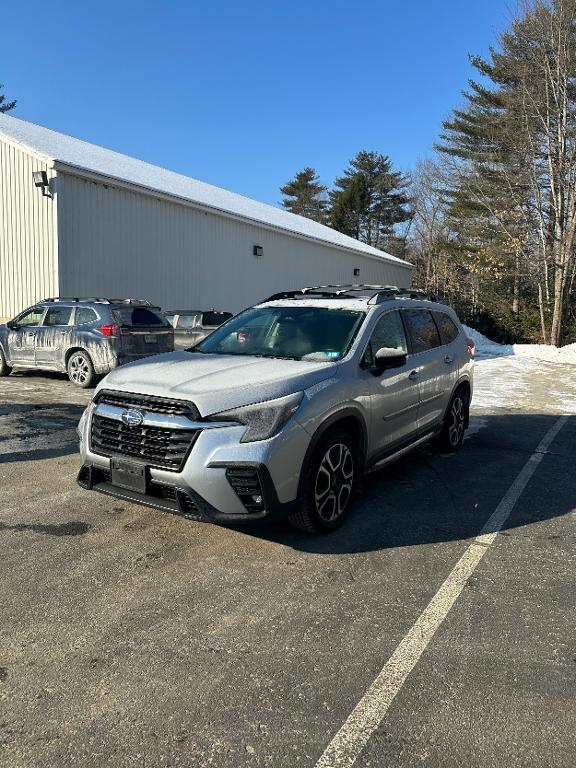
x,y
54,299
375,293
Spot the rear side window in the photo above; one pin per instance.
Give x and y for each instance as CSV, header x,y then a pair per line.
x,y
139,316
85,315
447,327
214,319
422,329
188,321
58,316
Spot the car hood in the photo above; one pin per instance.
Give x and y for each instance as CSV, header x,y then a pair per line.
x,y
216,382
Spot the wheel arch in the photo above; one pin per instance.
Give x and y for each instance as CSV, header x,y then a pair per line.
x,y
348,419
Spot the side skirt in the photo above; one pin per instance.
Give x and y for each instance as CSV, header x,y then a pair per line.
x,y
377,462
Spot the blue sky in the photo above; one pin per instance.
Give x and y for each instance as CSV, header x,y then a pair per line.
x,y
244,94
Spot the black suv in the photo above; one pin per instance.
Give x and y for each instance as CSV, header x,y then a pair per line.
x,y
84,337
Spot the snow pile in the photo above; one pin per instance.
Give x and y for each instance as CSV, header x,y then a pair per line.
x,y
487,348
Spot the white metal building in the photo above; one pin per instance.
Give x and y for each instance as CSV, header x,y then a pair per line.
x,y
110,225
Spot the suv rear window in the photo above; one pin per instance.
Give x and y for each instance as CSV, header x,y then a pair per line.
x,y
214,319
422,329
139,316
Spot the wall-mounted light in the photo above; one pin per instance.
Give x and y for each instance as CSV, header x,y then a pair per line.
x,y
41,180
257,250
356,271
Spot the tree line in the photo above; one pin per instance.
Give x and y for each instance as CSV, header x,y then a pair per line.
x,y
489,221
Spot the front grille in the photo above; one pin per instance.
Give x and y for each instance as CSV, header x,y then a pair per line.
x,y
148,403
157,446
246,483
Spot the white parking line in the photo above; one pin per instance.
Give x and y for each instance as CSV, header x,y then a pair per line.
x,y
350,740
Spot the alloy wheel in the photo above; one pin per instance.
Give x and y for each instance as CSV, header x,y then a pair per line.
x,y
79,369
456,421
333,487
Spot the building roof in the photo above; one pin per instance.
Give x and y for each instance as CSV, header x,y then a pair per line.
x,y
68,153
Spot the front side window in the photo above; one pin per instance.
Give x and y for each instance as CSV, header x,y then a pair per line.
x,y
389,332
32,317
58,316
422,328
297,333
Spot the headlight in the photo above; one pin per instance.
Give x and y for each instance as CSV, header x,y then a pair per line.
x,y
262,419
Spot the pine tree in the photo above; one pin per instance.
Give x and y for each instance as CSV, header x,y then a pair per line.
x,y
5,106
305,196
370,199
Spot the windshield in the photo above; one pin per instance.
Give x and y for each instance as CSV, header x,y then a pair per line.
x,y
296,333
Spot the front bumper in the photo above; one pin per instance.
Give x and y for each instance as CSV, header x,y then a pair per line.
x,y
209,485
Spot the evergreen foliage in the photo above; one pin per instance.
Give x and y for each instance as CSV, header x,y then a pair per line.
x,y
5,106
306,196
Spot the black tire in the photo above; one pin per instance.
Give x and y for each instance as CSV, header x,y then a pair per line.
x,y
5,369
455,423
331,476
80,369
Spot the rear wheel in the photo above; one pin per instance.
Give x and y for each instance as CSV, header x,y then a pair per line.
x,y
5,369
81,370
328,485
455,423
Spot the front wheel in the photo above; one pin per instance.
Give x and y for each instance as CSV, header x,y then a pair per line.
x,y
5,369
455,423
328,484
81,370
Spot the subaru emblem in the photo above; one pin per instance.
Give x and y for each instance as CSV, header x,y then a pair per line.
x,y
132,418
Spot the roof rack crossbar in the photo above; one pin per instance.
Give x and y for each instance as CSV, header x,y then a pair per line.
x,y
54,299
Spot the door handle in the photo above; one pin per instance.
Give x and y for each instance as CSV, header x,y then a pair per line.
x,y
448,359
413,375
30,334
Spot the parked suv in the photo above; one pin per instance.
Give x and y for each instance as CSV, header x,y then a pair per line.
x,y
192,325
85,337
282,409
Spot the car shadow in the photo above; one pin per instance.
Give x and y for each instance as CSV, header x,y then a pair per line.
x,y
34,431
428,498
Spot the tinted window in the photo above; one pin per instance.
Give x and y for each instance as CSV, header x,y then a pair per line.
x,y
214,319
389,332
85,315
422,329
188,321
32,317
58,316
139,316
300,333
447,327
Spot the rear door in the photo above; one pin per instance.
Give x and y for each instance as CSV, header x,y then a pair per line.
x,y
142,331
22,336
53,337
434,374
393,393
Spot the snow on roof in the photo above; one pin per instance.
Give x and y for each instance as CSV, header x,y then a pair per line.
x,y
83,156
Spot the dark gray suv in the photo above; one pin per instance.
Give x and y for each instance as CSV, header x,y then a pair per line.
x,y
84,337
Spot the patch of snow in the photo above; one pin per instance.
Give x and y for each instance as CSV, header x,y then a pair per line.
x,y
484,347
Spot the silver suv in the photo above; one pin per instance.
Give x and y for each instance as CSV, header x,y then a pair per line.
x,y
282,409
84,337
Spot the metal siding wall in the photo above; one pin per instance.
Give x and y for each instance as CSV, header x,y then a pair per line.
x,y
117,242
28,261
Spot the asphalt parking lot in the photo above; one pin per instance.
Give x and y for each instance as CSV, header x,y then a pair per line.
x,y
130,637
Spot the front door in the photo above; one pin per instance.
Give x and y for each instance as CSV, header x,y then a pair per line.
x,y
22,336
393,393
53,337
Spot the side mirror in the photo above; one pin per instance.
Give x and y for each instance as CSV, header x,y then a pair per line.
x,y
389,357
12,325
